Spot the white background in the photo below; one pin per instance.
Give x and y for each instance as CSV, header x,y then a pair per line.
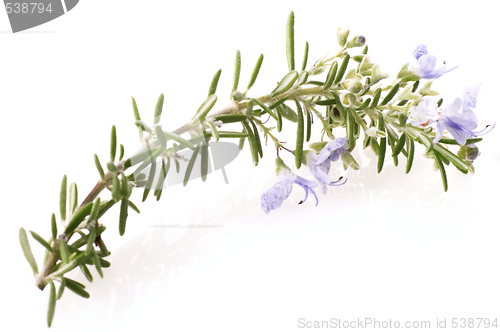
x,y
384,246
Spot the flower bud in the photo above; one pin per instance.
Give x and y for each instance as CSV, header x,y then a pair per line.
x,y
377,75
342,36
374,132
281,168
365,64
355,86
406,75
318,68
357,41
402,119
111,166
349,160
237,96
468,152
318,146
427,91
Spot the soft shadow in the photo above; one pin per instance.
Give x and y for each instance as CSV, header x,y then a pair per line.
x,y
26,32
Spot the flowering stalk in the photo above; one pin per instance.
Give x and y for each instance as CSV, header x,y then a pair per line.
x,y
342,91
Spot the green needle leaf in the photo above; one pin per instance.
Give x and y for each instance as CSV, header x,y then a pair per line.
x,y
122,151
142,126
300,136
73,197
180,140
286,83
104,263
52,303
42,241
113,144
95,210
160,134
99,169
277,103
190,165
326,102
453,142
391,94
123,215
265,108
64,252
279,121
136,110
383,143
237,69
90,241
399,145
290,48
303,76
351,128
232,134
376,98
253,142
63,198
215,82
133,207
61,288
364,105
53,226
230,118
455,160
205,107
214,131
374,145
440,166
124,186
204,161
331,76
78,218
410,147
250,106
115,189
286,112
25,245
349,160
97,263
161,179
137,117
241,143
342,69
86,272
159,108
306,53
151,177
257,138
76,288
255,72
309,124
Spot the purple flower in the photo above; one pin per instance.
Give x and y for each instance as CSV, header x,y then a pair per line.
x,y
274,197
333,150
458,117
424,114
426,64
319,165
420,50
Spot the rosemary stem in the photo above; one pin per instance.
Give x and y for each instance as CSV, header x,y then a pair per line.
x,y
233,108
